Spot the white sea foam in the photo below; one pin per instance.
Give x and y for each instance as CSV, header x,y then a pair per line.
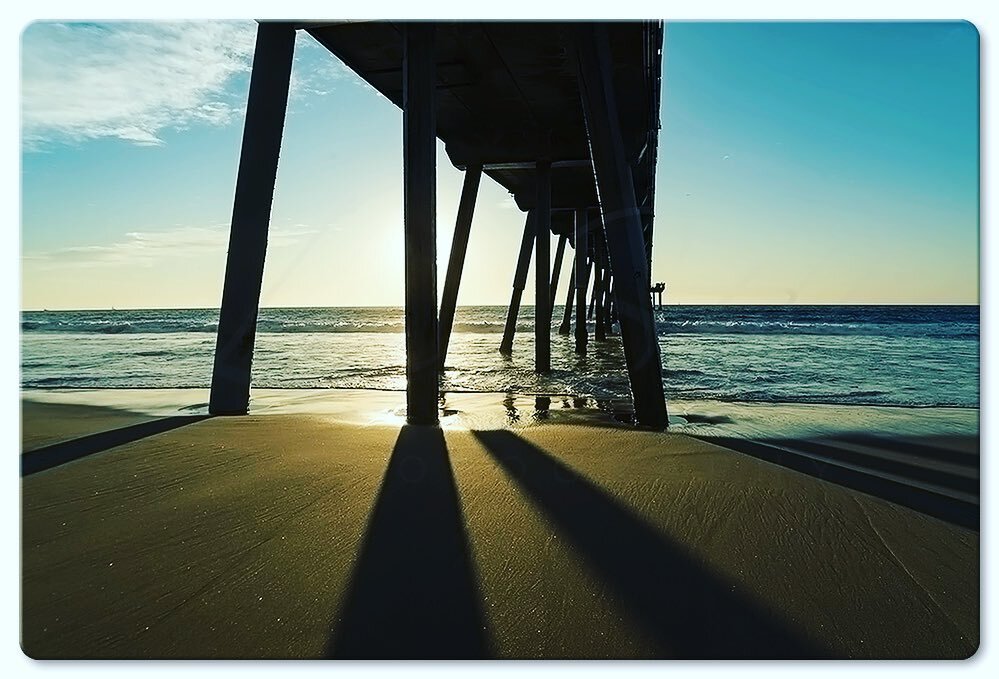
x,y
914,356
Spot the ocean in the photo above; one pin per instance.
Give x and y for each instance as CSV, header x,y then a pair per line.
x,y
863,355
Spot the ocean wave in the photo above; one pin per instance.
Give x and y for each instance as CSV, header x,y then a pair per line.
x,y
880,356
854,398
278,326
664,328
57,381
263,326
746,327
116,328
667,372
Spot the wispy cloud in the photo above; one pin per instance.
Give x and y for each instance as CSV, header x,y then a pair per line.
x,y
316,70
130,81
145,248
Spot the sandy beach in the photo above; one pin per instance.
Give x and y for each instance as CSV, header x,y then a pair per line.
x,y
315,528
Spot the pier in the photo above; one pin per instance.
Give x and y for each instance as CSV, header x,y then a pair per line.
x,y
380,524
564,116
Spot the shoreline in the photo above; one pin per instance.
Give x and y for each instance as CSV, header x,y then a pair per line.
x,y
552,394
484,409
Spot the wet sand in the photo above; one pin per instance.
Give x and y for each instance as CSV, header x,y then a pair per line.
x,y
313,528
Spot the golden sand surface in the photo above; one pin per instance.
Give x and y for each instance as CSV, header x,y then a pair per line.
x,y
45,424
303,535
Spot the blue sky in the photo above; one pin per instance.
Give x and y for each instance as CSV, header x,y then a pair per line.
x,y
798,163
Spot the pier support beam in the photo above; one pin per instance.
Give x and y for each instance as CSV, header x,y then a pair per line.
x,y
542,285
593,292
459,245
611,306
419,151
566,325
519,281
600,291
622,225
251,213
581,276
557,269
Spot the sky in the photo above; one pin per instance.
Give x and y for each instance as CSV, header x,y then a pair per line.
x,y
798,163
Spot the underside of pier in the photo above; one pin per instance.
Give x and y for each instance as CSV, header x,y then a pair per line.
x,y
565,116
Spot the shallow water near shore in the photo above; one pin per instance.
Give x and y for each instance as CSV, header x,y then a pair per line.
x,y
475,410
848,355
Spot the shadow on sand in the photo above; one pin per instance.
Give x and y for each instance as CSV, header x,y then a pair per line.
x,y
687,610
413,592
40,459
930,478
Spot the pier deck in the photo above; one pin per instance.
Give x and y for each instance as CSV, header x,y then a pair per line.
x,y
507,95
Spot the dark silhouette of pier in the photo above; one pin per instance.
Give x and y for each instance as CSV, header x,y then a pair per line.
x,y
658,289
565,116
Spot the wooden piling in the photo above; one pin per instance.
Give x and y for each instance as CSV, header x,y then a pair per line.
x,y
419,144
459,245
600,290
564,328
622,224
251,212
519,281
542,262
595,289
581,276
611,305
557,269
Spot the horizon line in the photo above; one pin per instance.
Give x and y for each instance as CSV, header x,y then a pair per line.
x,y
523,306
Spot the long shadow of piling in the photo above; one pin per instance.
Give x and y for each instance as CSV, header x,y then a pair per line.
x,y
690,612
915,483
40,459
930,448
414,593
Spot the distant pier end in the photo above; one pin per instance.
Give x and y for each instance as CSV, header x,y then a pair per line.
x,y
565,116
